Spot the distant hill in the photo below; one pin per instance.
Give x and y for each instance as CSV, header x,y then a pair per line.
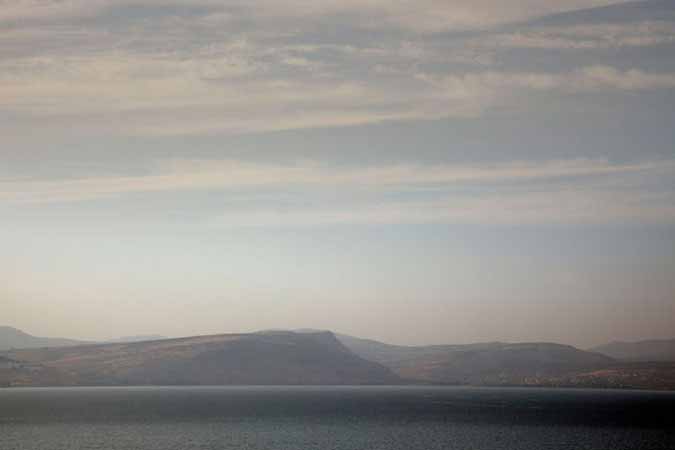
x,y
389,354
522,364
320,357
652,350
483,363
267,359
11,338
139,338
499,363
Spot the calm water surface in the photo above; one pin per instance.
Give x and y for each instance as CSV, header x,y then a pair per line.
x,y
324,418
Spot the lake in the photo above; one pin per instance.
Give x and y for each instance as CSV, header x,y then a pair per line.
x,y
324,418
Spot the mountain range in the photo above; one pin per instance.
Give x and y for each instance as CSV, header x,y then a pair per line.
x,y
321,357
485,363
252,358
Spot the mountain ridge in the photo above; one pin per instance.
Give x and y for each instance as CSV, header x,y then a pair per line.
x,y
309,356
223,359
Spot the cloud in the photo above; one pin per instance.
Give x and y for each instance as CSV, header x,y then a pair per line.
x,y
193,175
569,191
584,37
586,79
413,15
440,15
607,77
236,93
544,207
191,68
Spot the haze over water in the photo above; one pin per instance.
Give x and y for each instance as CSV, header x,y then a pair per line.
x,y
338,418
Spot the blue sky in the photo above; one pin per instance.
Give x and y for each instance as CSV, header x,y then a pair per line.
x,y
416,172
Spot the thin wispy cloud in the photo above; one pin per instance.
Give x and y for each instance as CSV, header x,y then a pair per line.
x,y
422,16
578,207
152,68
588,79
179,175
530,198
586,37
166,97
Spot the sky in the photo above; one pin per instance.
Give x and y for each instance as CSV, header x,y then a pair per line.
x,y
427,171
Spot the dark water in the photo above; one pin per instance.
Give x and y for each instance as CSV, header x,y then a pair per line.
x,y
388,418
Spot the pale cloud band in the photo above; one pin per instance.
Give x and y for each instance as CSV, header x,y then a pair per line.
x,y
102,70
585,37
598,192
193,68
416,15
177,100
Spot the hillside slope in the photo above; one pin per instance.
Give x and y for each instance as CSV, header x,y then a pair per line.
x,y
651,350
12,338
482,363
499,363
227,359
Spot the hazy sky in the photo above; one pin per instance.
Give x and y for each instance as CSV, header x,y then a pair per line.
x,y
416,171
